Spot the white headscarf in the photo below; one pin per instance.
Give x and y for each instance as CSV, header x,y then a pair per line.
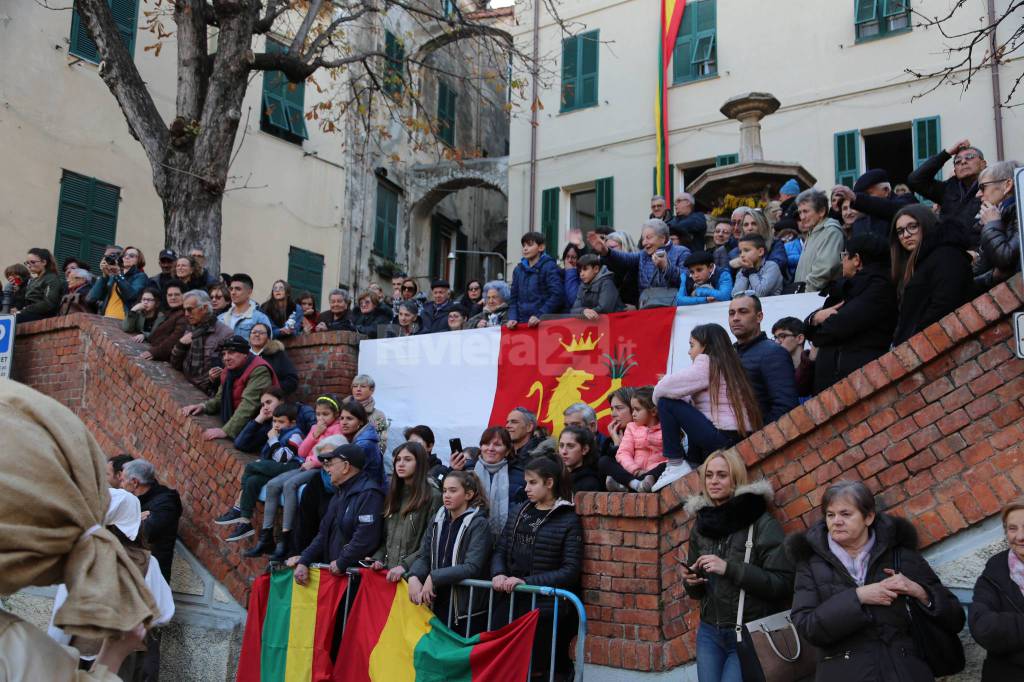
x,y
125,512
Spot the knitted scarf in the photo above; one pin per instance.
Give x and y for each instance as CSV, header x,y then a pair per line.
x,y
494,478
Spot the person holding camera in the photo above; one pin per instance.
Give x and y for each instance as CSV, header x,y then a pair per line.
x,y
121,283
660,264
726,511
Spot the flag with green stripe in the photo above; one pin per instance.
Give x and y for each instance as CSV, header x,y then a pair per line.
x,y
390,639
290,628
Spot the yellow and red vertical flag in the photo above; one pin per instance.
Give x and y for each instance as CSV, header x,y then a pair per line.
x,y
671,14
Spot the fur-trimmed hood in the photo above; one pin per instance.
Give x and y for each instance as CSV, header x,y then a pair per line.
x,y
273,346
747,505
890,531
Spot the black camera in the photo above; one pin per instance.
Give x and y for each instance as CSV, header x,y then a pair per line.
x,y
113,259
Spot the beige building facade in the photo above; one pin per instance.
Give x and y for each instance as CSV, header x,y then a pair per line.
x,y
299,206
837,67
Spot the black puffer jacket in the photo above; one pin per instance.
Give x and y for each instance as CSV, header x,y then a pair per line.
x,y
941,283
373,322
858,643
859,332
959,202
1000,247
556,557
722,531
585,478
997,621
284,369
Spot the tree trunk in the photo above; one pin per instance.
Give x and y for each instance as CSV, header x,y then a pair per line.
x,y
192,218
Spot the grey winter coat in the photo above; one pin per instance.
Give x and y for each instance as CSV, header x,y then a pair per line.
x,y
858,643
403,534
722,531
766,281
600,295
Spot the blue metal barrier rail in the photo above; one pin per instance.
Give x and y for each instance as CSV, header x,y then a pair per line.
x,y
534,591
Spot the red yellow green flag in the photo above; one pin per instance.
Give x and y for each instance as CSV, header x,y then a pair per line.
x,y
290,628
671,14
390,639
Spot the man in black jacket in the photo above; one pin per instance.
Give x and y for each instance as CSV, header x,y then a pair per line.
x,y
767,364
161,510
166,260
688,225
872,197
957,196
352,527
434,317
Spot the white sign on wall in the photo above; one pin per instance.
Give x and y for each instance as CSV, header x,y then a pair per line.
x,y
6,345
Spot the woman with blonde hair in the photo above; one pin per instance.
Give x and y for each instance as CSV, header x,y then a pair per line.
x,y
753,221
730,512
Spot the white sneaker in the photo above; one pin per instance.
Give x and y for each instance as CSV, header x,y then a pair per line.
x,y
672,473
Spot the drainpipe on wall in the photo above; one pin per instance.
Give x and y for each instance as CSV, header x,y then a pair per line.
x,y
534,115
997,109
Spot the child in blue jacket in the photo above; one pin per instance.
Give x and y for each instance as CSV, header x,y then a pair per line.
x,y
706,282
536,284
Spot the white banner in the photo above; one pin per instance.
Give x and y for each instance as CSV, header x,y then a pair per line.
x,y
448,380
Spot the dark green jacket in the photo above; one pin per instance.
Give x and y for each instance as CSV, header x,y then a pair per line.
x,y
722,531
43,294
403,535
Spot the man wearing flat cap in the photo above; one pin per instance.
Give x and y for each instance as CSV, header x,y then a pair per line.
x,y
245,378
872,196
352,527
434,317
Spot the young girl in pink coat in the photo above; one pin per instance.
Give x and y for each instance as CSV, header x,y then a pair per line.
x,y
711,401
640,452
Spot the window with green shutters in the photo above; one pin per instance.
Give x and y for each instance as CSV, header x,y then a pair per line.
x,y
927,140
879,18
446,113
847,150
86,218
696,52
549,218
727,159
306,271
604,216
395,64
125,16
284,104
385,233
579,71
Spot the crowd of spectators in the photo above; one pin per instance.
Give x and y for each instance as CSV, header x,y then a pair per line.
x,y
886,263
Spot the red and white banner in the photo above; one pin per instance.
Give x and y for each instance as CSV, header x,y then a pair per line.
x,y
458,383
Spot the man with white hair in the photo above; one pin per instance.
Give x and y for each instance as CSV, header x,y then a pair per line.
x,y
688,226
161,510
79,280
196,353
584,416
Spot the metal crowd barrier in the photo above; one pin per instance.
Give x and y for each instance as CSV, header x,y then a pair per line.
x,y
534,591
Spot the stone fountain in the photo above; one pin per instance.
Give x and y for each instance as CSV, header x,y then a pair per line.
x,y
752,175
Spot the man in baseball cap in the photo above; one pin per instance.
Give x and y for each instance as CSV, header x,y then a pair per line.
x,y
352,527
166,258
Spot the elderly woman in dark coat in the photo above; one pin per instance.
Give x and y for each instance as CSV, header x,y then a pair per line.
x,y
851,604
997,613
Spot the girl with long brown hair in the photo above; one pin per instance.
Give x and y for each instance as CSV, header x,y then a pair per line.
x,y
411,503
711,401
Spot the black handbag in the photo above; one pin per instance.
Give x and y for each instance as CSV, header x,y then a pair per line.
x,y
939,648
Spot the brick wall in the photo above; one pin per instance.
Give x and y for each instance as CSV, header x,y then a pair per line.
x,y
133,406
934,428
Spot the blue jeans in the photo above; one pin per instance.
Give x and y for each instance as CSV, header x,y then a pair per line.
x,y
704,437
716,654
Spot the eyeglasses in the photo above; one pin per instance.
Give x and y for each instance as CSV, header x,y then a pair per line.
x,y
474,288
745,292
33,262
961,160
909,229
189,308
782,336
149,300
983,185
408,288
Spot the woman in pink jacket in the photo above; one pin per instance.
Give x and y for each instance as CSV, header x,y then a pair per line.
x,y
639,451
711,401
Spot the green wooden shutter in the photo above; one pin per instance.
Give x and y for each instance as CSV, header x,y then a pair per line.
x,y
865,11
892,8
727,159
306,271
604,214
847,154
927,139
589,44
570,66
549,218
682,60
446,113
395,64
86,218
386,222
284,102
695,54
125,14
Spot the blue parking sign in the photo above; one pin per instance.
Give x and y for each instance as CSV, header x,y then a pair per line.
x,y
6,344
